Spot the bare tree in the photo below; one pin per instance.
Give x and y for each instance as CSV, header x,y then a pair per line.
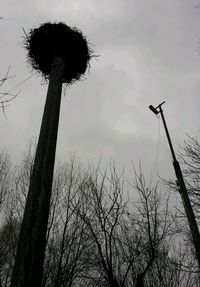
x,y
8,242
102,211
161,254
5,177
68,244
7,227
190,158
96,236
131,243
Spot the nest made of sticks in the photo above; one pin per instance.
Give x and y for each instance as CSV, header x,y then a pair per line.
x,y
58,39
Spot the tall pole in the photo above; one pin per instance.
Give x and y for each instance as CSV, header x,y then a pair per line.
x,y
50,47
29,259
182,188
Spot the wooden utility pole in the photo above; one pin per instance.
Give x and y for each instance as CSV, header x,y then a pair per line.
x,y
29,259
182,188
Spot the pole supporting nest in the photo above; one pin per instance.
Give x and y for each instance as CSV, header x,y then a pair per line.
x,y
61,54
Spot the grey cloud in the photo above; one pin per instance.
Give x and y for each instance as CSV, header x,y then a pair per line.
x,y
147,54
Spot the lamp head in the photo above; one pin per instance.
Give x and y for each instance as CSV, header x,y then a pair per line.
x,y
154,110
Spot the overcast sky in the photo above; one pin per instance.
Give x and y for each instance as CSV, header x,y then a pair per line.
x,y
148,53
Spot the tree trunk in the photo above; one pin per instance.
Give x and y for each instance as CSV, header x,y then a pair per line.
x,y
29,260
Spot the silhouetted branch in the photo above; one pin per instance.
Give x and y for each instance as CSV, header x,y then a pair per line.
x,y
6,97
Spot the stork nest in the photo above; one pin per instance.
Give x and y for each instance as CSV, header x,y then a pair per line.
x,y
58,39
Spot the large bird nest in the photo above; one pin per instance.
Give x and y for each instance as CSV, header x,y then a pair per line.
x,y
58,39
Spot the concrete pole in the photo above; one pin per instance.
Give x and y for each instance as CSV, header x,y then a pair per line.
x,y
184,195
28,268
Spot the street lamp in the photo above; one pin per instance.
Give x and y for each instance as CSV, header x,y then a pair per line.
x,y
181,186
